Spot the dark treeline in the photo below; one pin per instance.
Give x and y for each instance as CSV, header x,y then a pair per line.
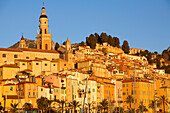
x,y
103,37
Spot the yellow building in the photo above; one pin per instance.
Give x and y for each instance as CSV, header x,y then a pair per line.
x,y
8,71
28,91
140,90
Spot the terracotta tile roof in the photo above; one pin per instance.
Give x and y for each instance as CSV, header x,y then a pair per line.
x,y
109,83
9,79
38,50
26,70
12,96
9,65
9,84
55,86
27,82
22,60
10,49
125,81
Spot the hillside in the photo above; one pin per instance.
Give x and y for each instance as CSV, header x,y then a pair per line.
x,y
29,44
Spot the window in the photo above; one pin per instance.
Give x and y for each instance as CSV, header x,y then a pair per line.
x,y
46,45
45,31
64,64
0,73
68,83
29,87
27,57
29,63
29,94
11,88
62,91
37,63
74,83
53,64
33,94
41,89
123,85
16,64
4,55
15,56
85,64
126,85
93,90
45,64
23,63
80,65
33,87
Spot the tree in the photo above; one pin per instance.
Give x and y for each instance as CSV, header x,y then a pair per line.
x,y
56,46
111,41
64,43
104,104
104,37
49,105
14,108
118,110
142,108
99,107
165,54
91,41
164,101
129,100
28,106
61,104
98,38
125,46
152,105
117,43
1,108
42,103
75,104
82,43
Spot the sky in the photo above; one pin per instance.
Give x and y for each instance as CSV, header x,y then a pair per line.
x,y
145,24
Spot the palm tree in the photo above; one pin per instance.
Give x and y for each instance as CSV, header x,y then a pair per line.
x,y
164,101
49,105
104,104
118,110
61,104
42,103
99,107
129,100
75,104
1,108
152,105
28,106
14,108
142,108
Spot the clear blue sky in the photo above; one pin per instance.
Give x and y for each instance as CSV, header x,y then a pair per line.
x,y
144,24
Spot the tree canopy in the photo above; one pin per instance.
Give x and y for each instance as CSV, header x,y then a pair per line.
x,y
125,46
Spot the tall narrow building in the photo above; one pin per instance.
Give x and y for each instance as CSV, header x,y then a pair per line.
x,y
43,36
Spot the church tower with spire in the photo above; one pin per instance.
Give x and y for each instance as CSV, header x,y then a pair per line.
x,y
22,43
43,36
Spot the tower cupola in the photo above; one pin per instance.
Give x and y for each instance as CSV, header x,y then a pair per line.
x,y
43,36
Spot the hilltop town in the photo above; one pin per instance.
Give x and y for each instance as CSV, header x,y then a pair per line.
x,y
87,77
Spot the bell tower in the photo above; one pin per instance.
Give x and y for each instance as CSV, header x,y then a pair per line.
x,y
43,35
